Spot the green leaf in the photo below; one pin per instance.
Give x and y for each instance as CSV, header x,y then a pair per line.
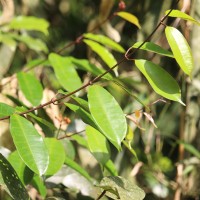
x,y
56,155
83,103
85,65
117,187
12,181
31,88
38,183
80,140
29,144
110,167
182,15
65,72
180,49
6,110
104,54
98,145
69,162
107,114
7,39
30,23
160,80
130,18
84,115
150,46
105,41
32,43
24,173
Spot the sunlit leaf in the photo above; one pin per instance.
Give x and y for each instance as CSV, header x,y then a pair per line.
x,y
69,162
12,181
98,145
180,49
105,55
31,87
29,144
30,23
56,155
182,15
107,114
150,46
105,41
118,187
6,110
24,173
80,140
65,72
160,80
129,17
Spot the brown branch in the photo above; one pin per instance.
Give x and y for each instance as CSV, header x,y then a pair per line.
x,y
96,79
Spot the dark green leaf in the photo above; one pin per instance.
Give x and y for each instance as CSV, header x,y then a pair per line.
x,y
107,114
12,181
29,144
31,88
160,80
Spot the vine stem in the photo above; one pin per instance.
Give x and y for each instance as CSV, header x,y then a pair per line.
x,y
96,79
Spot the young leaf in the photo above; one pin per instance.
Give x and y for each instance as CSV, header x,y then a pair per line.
x,y
24,173
180,49
107,114
150,46
105,55
29,144
98,145
56,155
69,162
65,72
160,80
182,15
30,23
11,179
105,41
120,188
130,18
31,88
6,110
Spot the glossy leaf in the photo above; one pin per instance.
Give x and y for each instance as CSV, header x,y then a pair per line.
x,y
12,181
98,145
30,23
180,49
24,173
6,110
31,88
65,72
85,65
160,80
182,15
104,54
29,144
118,187
105,41
69,162
56,155
107,114
129,17
150,46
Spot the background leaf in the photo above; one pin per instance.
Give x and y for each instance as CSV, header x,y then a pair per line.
x,y
129,17
29,144
31,88
6,110
65,72
150,46
12,181
30,23
56,155
105,41
107,114
160,80
180,49
98,145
